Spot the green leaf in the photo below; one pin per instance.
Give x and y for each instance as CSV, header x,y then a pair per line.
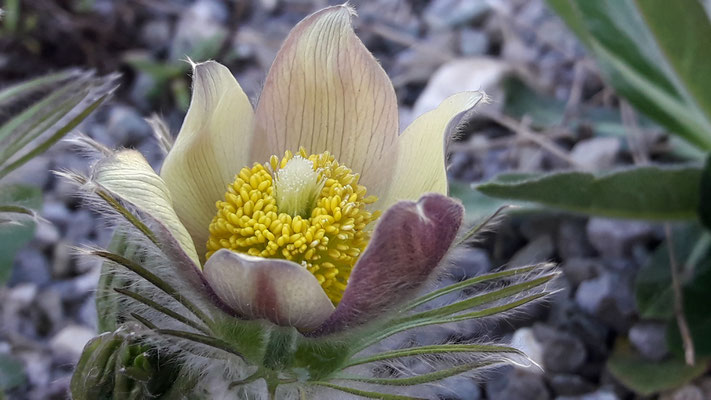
x,y
652,55
653,289
119,365
474,281
646,377
49,108
16,234
364,393
697,308
421,379
434,349
705,195
651,192
478,205
12,372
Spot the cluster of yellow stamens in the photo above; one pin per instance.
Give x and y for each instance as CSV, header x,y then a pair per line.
x,y
305,208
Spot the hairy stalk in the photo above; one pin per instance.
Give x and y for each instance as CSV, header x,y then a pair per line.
x,y
116,205
481,226
381,335
474,281
420,379
155,281
201,339
433,349
364,393
148,324
478,300
162,309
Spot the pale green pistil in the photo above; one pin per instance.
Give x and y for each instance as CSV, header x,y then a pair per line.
x,y
297,186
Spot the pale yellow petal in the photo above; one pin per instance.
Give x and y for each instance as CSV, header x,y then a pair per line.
x,y
326,92
278,290
420,166
128,175
212,147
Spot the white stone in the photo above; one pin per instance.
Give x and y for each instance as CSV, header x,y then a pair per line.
x,y
70,341
524,340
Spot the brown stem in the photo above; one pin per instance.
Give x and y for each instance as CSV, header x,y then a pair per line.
x,y
687,341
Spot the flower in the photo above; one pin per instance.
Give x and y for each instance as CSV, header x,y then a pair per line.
x,y
279,244
282,211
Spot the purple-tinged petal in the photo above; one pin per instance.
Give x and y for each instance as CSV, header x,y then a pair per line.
x,y
278,290
409,242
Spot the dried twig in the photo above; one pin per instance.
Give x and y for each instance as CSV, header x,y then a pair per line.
x,y
407,40
635,137
686,339
523,131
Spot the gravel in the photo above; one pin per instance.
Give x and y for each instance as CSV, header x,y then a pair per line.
x,y
440,47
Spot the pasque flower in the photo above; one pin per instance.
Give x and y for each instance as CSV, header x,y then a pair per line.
x,y
297,233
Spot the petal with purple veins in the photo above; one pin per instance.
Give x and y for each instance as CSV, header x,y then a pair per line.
x,y
326,92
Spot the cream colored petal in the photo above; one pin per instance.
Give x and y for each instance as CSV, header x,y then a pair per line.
x,y
128,175
278,290
325,91
211,148
420,166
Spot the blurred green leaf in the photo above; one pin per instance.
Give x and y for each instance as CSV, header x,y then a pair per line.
x,y
646,377
15,232
653,55
705,195
651,192
12,372
653,290
697,307
478,205
45,109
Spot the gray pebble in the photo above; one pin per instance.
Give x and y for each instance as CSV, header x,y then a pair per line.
x,y
473,42
596,153
539,250
31,265
615,238
598,395
469,262
562,352
649,338
578,270
517,384
442,14
570,385
609,298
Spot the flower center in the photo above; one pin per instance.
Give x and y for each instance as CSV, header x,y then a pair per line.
x,y
305,208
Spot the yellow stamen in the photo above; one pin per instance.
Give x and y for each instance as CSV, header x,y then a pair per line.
x,y
305,208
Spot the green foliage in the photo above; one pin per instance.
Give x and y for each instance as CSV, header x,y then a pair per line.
x,y
169,76
11,373
697,308
45,109
477,204
653,55
647,378
17,226
653,288
115,365
705,195
654,192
